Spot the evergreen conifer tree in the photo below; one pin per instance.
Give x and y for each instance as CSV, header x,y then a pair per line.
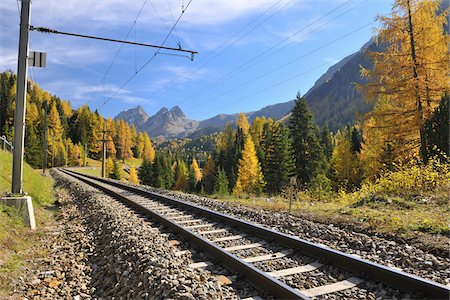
x,y
221,183
437,132
116,172
309,157
279,159
145,173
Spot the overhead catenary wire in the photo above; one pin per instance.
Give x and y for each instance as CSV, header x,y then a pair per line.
x,y
263,56
18,9
229,41
281,66
118,51
149,60
280,83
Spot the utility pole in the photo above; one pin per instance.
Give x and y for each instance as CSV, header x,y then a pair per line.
x,y
67,152
104,151
45,146
85,153
21,92
53,151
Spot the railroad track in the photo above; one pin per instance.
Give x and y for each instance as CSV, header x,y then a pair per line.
x,y
248,249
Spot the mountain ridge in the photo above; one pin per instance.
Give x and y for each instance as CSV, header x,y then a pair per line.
x,y
332,99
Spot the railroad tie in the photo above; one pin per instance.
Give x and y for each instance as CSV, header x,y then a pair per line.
x,y
201,226
212,231
333,287
268,256
229,238
202,264
296,270
243,247
181,217
189,221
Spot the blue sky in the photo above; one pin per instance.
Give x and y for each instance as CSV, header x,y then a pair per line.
x,y
239,66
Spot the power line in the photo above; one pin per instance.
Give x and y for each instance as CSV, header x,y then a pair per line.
x,y
117,52
177,40
18,9
280,83
263,55
150,60
181,76
282,66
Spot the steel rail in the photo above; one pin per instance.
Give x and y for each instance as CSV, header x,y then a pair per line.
x,y
389,276
259,279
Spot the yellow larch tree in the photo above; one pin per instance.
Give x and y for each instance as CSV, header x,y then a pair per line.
x,y
256,129
149,150
133,176
242,123
250,178
412,74
140,144
110,133
196,170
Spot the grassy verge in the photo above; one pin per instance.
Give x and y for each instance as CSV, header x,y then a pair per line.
x,y
406,202
15,238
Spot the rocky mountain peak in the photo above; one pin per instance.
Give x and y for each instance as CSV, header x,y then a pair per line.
x,y
177,112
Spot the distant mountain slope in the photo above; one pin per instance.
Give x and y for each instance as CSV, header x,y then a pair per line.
x,y
333,98
218,121
169,123
136,116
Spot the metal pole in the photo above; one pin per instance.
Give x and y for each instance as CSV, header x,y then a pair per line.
x,y
67,152
45,144
104,151
53,151
21,92
85,150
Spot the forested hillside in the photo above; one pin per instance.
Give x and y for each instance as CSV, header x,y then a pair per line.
x,y
403,140
71,133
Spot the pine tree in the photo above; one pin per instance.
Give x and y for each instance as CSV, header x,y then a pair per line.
x,y
326,139
279,159
250,178
133,176
412,72
181,183
116,172
437,132
221,183
145,172
309,157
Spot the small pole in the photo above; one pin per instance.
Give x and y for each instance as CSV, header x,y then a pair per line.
x,y
85,154
21,93
67,152
53,151
45,144
104,151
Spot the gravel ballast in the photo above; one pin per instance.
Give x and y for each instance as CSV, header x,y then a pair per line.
x,y
409,258
104,250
